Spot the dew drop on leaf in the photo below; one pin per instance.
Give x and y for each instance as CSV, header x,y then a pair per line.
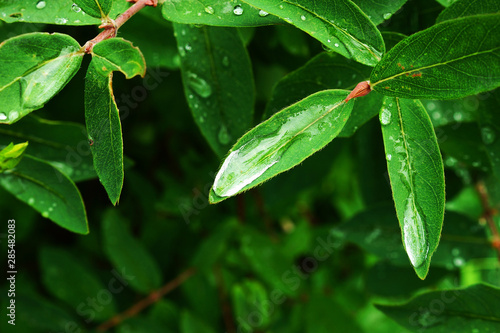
x,y
13,115
336,44
3,116
75,8
387,16
238,10
45,214
302,17
385,117
31,201
414,234
224,137
388,157
488,135
41,4
199,85
263,13
209,10
225,61
188,47
61,20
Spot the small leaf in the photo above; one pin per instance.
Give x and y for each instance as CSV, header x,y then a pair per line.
x,y
216,13
378,12
445,61
11,155
417,177
246,297
473,309
95,8
343,27
125,252
48,191
218,82
464,8
105,130
282,142
118,54
33,68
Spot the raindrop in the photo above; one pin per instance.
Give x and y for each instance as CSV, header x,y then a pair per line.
x,y
209,10
387,16
31,201
388,157
13,115
199,85
488,135
75,8
41,4
263,13
225,61
458,261
224,136
302,17
3,116
61,20
238,10
188,47
45,214
182,52
202,120
385,116
336,45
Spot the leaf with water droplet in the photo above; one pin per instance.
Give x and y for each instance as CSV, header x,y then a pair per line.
x,y
38,183
282,142
417,178
377,11
445,61
473,309
33,68
95,8
219,13
11,155
218,82
347,26
466,8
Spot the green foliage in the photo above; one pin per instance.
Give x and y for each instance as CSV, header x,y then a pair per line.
x,y
349,148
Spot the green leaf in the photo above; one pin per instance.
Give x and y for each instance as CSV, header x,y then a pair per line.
x,y
473,309
446,3
11,155
489,120
95,8
217,13
340,26
445,61
189,323
377,11
33,68
54,12
125,252
218,82
464,8
281,142
62,144
105,131
68,280
118,54
48,191
417,177
248,296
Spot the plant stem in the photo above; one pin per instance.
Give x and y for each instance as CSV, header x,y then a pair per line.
x,y
111,28
150,299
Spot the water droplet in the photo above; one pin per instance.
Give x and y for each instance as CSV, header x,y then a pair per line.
x,y
385,116
414,234
13,115
302,17
188,47
455,251
61,20
75,8
388,157
387,16
225,61
202,120
281,7
224,136
50,209
209,10
41,4
31,201
45,214
199,85
488,135
336,44
329,41
238,10
458,261
263,13
3,116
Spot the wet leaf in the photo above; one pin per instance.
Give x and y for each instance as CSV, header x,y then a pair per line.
x,y
467,8
95,8
377,11
445,61
33,68
417,177
281,142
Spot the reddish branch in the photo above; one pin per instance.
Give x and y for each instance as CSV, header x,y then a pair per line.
x,y
111,26
488,215
144,303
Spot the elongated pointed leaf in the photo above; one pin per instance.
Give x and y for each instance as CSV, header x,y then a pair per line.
x,y
218,82
33,68
95,8
449,60
62,144
378,11
417,177
473,309
53,12
11,155
339,25
126,253
217,13
467,8
48,191
282,142
101,113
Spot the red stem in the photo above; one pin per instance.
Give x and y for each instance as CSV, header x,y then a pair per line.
x,y
488,214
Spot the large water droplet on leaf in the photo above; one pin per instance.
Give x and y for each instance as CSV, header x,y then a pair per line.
x,y
3,116
13,115
75,8
414,234
238,10
41,4
263,13
61,20
387,16
199,85
385,117
209,10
